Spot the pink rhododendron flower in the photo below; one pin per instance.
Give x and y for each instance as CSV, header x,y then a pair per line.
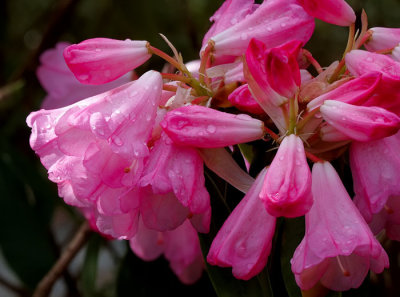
x,y
273,22
255,74
205,127
61,85
244,241
375,168
336,12
287,187
242,99
356,91
359,122
98,145
100,60
176,172
282,69
181,247
338,248
382,39
388,218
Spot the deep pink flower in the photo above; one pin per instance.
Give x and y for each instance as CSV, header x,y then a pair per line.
x,y
96,147
357,91
61,85
242,99
338,248
375,169
244,241
359,122
287,186
388,218
273,22
181,247
200,126
282,69
100,60
255,73
336,12
383,39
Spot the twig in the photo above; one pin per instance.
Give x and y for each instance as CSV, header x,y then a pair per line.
x,y
44,287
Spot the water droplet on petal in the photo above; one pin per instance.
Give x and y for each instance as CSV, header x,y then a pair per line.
x,y
269,29
117,141
233,21
283,25
243,36
83,77
211,129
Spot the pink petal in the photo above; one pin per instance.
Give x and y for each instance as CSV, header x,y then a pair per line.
x,y
242,99
358,122
205,127
244,241
287,186
101,60
336,12
382,39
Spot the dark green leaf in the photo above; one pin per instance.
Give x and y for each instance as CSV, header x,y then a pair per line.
x,y
89,270
24,240
292,234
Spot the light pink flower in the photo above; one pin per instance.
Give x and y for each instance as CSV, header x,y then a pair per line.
x,y
175,173
181,247
375,169
338,248
287,186
200,126
336,12
382,38
244,241
242,99
61,85
359,122
100,60
273,22
230,13
96,147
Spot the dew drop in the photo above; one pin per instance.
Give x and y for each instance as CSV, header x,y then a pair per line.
x,y
281,158
211,129
233,21
83,77
117,141
243,36
97,50
269,29
369,59
148,117
298,163
283,25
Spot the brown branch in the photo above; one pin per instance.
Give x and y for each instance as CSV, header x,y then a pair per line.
x,y
44,287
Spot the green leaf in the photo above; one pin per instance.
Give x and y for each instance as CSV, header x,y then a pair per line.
x,y
24,238
292,234
247,151
89,270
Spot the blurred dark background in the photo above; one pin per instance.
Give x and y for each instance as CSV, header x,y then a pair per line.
x,y
34,223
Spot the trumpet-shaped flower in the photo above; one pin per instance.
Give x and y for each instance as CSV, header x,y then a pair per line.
x,y
338,248
244,241
99,144
336,12
359,122
287,187
375,169
100,60
181,247
273,22
200,126
382,39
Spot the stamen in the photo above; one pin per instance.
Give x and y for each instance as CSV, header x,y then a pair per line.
x,y
344,270
127,170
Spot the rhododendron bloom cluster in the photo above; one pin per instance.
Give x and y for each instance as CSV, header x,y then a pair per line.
x,y
133,157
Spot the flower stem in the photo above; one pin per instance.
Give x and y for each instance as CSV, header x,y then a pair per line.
x,y
166,57
313,62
